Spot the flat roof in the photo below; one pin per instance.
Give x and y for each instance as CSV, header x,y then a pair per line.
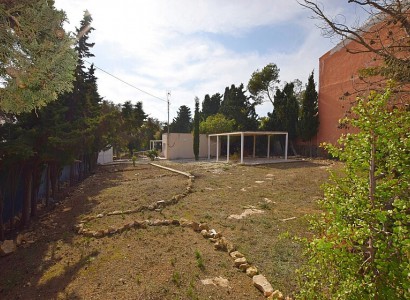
x,y
249,133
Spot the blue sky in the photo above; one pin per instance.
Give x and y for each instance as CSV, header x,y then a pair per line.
x,y
198,47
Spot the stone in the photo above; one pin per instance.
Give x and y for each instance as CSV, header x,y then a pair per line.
x,y
244,267
230,246
161,203
195,226
277,295
247,212
221,244
7,247
262,284
98,234
217,281
203,226
240,261
251,271
175,222
205,233
236,254
100,215
20,239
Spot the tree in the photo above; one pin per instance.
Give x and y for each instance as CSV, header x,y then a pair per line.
x,y
133,118
217,124
263,83
309,117
196,129
361,244
182,122
386,34
236,106
285,115
36,56
211,105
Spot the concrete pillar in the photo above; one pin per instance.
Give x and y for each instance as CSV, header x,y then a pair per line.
x,y
286,147
242,143
209,147
268,147
227,149
254,146
217,148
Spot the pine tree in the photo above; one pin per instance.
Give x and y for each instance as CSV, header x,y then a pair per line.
x,y
182,122
309,119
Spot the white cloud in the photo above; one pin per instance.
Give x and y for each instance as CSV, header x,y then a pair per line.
x,y
156,46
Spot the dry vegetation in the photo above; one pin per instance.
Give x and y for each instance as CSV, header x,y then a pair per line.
x,y
168,262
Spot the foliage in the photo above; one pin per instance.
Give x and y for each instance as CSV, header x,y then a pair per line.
x,y
309,117
216,124
362,245
182,122
196,129
36,56
134,118
152,154
210,105
386,34
286,112
262,83
236,106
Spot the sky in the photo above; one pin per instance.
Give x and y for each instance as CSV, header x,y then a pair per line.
x,y
191,48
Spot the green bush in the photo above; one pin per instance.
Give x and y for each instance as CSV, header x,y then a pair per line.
x,y
361,247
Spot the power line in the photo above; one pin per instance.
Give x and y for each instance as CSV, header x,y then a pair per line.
x,y
129,84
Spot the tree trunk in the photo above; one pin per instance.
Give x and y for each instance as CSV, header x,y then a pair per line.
x,y
28,180
48,184
292,147
1,216
37,171
53,179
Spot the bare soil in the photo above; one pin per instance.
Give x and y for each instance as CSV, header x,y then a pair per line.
x,y
168,262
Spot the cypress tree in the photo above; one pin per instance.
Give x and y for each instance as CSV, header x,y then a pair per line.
x,y
309,119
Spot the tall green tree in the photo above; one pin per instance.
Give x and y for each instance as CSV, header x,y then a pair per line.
x,y
182,123
211,105
361,245
309,115
263,83
36,55
196,129
217,124
238,107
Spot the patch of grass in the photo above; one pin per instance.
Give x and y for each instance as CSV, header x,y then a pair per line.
x,y
199,260
191,292
176,278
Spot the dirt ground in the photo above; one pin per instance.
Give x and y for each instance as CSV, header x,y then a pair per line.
x,y
168,262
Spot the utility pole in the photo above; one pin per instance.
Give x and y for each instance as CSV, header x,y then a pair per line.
x,y
168,95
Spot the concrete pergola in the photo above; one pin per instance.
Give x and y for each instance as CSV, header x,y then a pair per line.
x,y
242,134
152,143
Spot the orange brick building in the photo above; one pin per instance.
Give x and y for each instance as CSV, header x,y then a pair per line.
x,y
339,81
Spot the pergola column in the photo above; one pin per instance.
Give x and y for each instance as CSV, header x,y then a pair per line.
x,y
286,147
242,142
268,154
254,146
217,148
209,147
227,148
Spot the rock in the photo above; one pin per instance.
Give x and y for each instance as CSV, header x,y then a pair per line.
x,y
240,261
247,212
20,239
160,203
112,230
276,295
230,246
175,222
195,226
100,215
7,247
221,244
217,281
262,284
185,223
98,234
203,226
205,234
213,240
251,271
236,254
244,267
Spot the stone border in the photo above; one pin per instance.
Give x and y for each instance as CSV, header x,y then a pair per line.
x,y
220,242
